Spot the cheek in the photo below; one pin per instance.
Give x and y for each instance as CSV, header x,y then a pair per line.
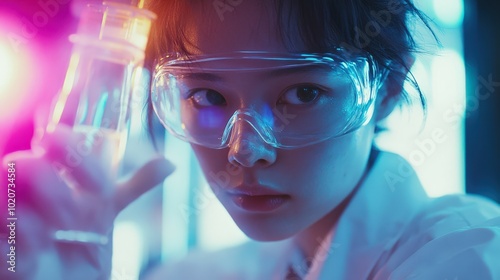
x,y
349,156
217,169
209,158
331,168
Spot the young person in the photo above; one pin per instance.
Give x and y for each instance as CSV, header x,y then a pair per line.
x,y
285,97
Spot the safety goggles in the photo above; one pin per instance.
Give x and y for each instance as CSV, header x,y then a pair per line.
x,y
289,100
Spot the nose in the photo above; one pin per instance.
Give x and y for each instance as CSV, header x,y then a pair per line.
x,y
247,148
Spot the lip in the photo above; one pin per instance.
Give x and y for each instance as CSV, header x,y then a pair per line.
x,y
257,198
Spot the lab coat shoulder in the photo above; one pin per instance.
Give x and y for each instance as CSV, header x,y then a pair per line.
x,y
454,237
248,261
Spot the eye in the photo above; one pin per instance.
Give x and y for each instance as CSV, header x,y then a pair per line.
x,y
208,97
301,95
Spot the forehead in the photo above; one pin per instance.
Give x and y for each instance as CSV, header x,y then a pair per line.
x,y
226,26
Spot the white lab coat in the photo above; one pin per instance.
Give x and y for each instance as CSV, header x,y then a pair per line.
x,y
390,230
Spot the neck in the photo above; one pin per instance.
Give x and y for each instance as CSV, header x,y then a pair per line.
x,y
311,239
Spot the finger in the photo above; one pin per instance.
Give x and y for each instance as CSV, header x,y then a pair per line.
x,y
86,158
39,186
40,121
34,176
42,188
148,176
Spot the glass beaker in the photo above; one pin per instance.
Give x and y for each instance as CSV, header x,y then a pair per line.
x,y
95,99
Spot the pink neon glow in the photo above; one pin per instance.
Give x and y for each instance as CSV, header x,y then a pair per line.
x,y
17,69
19,79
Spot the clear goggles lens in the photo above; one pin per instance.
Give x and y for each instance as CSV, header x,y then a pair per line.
x,y
289,100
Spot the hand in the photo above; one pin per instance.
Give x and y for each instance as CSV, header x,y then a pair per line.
x,y
54,191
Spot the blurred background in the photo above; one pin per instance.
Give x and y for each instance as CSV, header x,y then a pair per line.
x,y
456,149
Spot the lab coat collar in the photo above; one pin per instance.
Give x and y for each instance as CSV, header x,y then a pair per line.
x,y
385,203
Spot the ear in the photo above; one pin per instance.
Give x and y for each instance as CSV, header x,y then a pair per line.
x,y
389,94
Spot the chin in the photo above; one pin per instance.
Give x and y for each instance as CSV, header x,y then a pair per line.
x,y
263,235
265,228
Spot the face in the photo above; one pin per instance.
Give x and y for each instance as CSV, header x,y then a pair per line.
x,y
271,193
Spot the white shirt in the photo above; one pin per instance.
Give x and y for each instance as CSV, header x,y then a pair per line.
x,y
390,230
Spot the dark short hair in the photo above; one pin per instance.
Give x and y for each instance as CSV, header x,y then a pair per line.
x,y
379,27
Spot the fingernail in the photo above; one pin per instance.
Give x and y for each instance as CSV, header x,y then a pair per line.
x,y
36,142
37,135
6,160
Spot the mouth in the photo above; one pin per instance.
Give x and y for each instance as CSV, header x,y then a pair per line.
x,y
258,198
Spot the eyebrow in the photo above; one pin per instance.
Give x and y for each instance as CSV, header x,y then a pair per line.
x,y
321,68
204,76
211,77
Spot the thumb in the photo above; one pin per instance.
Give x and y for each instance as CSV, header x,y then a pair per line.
x,y
148,176
40,122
